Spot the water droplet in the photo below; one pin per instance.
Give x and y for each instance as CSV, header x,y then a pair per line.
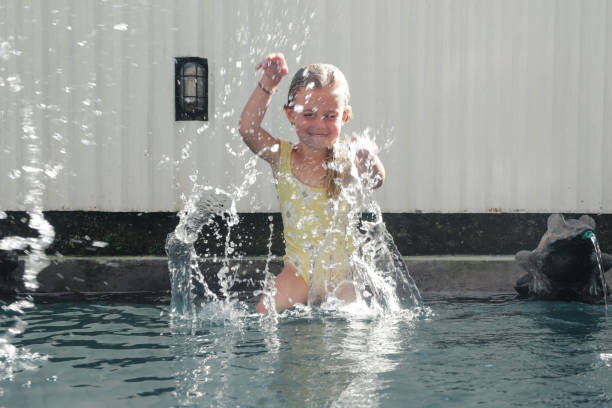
x,y
165,159
14,174
31,169
15,83
82,43
4,50
53,171
99,244
121,27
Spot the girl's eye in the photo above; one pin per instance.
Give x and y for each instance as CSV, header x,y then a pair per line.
x,y
308,115
331,116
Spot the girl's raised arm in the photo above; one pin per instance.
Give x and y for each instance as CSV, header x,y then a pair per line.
x,y
257,138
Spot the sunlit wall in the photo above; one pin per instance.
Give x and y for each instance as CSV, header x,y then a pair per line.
x,y
478,106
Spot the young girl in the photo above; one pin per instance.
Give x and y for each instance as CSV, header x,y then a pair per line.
x,y
309,180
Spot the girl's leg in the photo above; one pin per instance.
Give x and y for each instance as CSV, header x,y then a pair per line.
x,y
290,289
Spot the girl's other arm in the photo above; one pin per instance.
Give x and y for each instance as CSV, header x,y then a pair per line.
x,y
256,137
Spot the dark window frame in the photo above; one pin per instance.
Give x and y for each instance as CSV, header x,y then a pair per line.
x,y
199,113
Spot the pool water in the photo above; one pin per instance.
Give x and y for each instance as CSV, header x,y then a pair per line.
x,y
459,352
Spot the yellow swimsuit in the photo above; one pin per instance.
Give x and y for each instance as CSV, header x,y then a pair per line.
x,y
314,228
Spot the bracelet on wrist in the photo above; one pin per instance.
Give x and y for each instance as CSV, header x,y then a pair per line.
x,y
269,92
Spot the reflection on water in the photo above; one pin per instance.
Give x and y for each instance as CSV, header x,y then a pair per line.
x,y
371,345
311,357
504,354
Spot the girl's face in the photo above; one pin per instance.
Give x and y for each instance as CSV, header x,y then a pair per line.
x,y
318,115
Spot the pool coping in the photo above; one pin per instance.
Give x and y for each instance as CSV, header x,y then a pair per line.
x,y
146,278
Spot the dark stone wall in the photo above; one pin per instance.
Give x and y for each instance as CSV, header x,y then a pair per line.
x,y
131,233
478,234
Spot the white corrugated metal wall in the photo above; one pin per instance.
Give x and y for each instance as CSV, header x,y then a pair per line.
x,y
481,104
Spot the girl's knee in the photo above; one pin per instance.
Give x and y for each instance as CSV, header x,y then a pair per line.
x,y
261,307
346,291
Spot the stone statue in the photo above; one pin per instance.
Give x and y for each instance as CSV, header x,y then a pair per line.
x,y
565,265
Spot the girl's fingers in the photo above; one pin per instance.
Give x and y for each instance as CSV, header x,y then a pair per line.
x,y
282,63
263,64
283,67
276,62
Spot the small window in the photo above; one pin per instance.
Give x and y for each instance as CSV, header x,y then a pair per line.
x,y
191,88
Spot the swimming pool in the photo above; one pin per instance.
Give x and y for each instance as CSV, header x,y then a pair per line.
x,y
460,352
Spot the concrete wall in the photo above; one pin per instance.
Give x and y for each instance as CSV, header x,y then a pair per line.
x,y
479,105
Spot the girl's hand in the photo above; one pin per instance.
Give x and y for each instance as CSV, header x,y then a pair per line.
x,y
274,67
369,166
364,147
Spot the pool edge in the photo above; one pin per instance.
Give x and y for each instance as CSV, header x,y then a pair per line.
x,y
76,274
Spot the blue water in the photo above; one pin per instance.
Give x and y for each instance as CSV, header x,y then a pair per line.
x,y
499,353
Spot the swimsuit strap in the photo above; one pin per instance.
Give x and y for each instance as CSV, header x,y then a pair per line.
x,y
285,159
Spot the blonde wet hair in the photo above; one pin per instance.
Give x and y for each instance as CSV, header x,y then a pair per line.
x,y
325,76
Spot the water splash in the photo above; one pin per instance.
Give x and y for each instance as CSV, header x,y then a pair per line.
x,y
377,263
602,277
380,275
269,290
14,359
188,286
190,291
